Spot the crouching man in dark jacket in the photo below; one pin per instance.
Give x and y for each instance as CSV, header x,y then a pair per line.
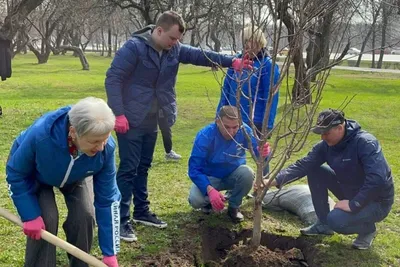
x,y
356,173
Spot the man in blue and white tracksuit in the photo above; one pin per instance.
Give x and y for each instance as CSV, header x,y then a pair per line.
x,y
70,149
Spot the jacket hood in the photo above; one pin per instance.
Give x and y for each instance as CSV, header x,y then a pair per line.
x,y
145,35
352,129
56,125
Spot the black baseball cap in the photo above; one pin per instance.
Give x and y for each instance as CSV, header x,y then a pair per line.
x,y
328,119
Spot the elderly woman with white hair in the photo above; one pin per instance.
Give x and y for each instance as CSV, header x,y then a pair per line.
x,y
255,84
64,149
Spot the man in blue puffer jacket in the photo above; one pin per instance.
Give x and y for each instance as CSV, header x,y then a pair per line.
x,y
218,162
356,173
139,84
63,149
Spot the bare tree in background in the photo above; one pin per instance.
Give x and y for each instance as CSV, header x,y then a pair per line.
x,y
16,14
374,9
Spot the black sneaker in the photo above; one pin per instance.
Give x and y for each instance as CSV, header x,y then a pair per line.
x,y
207,209
127,233
149,219
235,215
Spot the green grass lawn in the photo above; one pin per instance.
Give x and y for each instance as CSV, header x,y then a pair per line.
x,y
35,89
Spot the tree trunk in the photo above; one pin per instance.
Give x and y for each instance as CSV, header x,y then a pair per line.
x,y
79,52
109,54
59,39
193,37
17,15
385,18
115,43
214,36
103,42
299,90
256,239
75,41
42,58
373,48
20,42
371,29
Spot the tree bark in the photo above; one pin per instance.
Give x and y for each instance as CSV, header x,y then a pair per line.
x,y
373,48
16,16
301,88
103,42
79,52
214,36
59,39
41,57
109,53
371,29
256,239
385,18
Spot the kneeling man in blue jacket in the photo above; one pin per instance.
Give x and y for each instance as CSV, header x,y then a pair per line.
x,y
218,162
357,173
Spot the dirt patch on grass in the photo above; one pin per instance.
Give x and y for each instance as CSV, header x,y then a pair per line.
x,y
225,248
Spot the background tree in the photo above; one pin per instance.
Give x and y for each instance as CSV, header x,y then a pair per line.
x,y
17,11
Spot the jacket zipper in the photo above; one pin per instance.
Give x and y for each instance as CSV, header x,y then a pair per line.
x,y
71,164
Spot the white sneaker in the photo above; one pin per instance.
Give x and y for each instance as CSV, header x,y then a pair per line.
x,y
172,156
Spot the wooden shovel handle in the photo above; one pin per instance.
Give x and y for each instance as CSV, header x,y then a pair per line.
x,y
52,239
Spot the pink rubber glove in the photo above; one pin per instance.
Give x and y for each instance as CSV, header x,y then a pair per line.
x,y
238,64
34,227
121,124
265,150
110,261
216,199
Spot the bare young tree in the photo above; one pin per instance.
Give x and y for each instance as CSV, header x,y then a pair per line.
x,y
301,24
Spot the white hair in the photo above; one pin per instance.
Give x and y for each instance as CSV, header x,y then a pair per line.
x,y
91,115
253,33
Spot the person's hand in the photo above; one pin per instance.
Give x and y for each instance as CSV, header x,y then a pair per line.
x,y
265,181
121,124
238,64
34,227
343,205
216,199
266,149
110,261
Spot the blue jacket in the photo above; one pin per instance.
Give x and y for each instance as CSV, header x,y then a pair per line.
x,y
359,164
139,81
213,155
40,153
261,77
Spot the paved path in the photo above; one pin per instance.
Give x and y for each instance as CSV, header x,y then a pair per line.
x,y
280,63
366,69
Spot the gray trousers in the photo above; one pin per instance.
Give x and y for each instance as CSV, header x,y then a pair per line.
x,y
78,226
239,181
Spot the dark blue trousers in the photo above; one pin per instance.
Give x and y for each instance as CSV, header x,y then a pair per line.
x,y
323,179
136,149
